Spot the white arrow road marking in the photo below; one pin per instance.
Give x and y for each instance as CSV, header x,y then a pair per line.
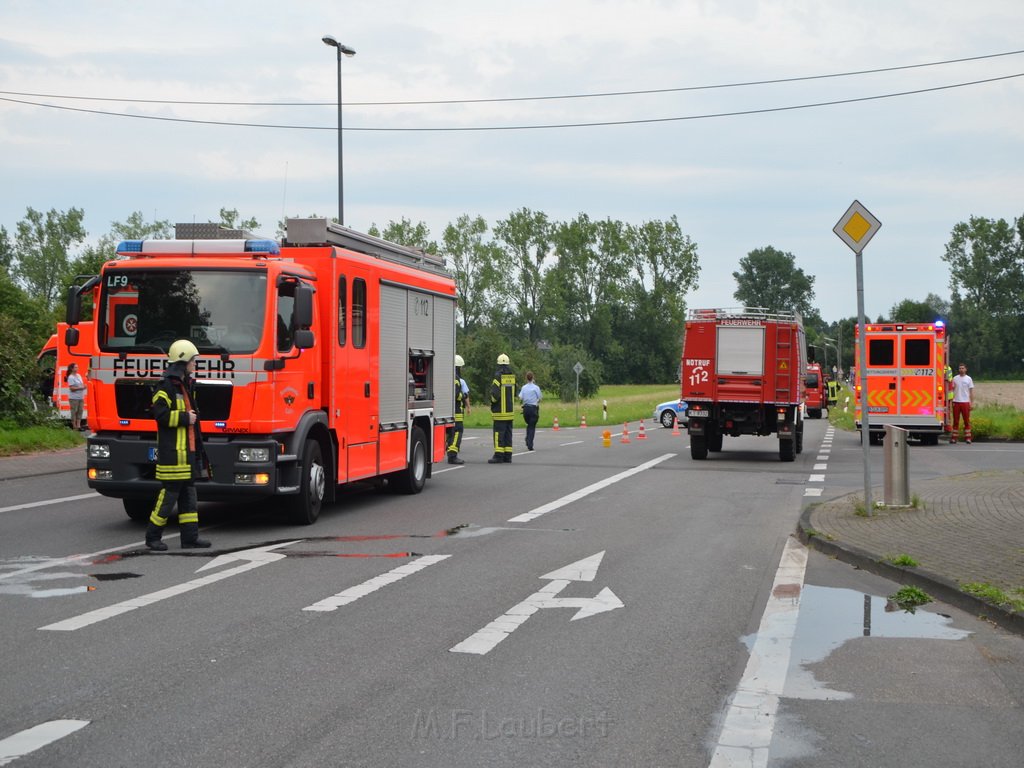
x,y
260,555
487,638
582,492
581,570
606,600
352,594
258,558
31,739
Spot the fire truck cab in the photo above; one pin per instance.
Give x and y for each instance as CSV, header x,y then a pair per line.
x,y
324,359
816,397
905,379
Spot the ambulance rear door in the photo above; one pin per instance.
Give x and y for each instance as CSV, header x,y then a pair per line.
x,y
917,370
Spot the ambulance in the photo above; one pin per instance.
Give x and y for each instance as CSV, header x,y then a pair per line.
x,y
905,379
324,359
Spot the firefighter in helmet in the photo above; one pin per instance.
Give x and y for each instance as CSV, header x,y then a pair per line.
x,y
461,409
180,455
503,393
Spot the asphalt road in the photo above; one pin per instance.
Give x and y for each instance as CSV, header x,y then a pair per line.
x,y
584,606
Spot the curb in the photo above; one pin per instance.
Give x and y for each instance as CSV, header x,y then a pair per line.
x,y
938,586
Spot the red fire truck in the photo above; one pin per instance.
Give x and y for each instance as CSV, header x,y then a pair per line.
x,y
325,359
815,397
906,380
743,374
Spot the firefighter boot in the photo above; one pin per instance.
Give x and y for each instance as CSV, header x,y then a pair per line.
x,y
154,534
453,458
190,537
496,459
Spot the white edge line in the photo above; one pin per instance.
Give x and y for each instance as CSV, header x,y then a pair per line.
x,y
25,742
533,514
48,502
101,614
749,722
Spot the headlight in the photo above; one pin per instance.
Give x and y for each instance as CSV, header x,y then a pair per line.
x,y
254,454
99,451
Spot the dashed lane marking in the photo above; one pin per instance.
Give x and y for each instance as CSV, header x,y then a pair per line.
x,y
352,594
38,736
533,514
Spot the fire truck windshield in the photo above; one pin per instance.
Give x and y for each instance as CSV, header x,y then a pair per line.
x,y
145,310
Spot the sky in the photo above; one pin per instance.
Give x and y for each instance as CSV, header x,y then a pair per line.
x,y
742,167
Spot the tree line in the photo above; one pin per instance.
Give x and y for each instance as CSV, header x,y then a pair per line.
x,y
608,294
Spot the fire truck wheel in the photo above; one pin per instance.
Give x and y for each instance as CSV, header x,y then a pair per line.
x,y
698,447
786,450
138,510
305,508
714,441
413,477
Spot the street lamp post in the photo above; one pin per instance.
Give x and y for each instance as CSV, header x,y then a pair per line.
x,y
342,49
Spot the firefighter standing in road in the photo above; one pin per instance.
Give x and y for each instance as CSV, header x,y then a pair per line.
x,y
461,409
963,400
503,393
180,456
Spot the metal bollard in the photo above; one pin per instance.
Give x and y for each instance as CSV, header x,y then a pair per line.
x,y
897,471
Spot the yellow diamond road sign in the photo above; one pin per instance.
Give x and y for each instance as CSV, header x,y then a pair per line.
x,y
857,227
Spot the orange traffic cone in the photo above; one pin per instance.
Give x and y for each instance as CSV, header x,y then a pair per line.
x,y
641,435
625,433
675,427
583,421
555,427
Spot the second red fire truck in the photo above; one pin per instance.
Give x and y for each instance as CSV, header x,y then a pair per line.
x,y
743,374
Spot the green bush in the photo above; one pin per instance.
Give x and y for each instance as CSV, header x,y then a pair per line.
x,y
18,374
982,427
1017,429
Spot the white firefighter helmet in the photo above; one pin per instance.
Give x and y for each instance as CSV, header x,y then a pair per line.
x,y
503,359
182,350
459,362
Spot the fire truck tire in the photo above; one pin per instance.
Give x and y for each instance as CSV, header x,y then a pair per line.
x,y
714,441
138,510
698,447
787,450
304,508
413,477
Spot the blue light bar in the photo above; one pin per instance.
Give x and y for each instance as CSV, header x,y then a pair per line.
x,y
262,246
129,246
939,323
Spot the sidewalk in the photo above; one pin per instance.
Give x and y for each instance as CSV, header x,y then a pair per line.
x,y
48,463
967,529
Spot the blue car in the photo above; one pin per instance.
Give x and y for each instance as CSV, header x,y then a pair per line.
x,y
668,413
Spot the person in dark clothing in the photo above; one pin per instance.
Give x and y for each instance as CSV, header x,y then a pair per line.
x,y
503,392
530,396
181,459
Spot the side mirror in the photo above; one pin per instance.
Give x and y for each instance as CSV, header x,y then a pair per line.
x,y
302,314
303,339
74,306
71,337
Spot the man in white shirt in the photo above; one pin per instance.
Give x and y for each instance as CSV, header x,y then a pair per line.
x,y
963,400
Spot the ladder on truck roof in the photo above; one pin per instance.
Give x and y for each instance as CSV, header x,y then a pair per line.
x,y
321,232
752,313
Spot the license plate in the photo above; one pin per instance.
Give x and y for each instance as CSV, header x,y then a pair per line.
x,y
152,454
697,413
